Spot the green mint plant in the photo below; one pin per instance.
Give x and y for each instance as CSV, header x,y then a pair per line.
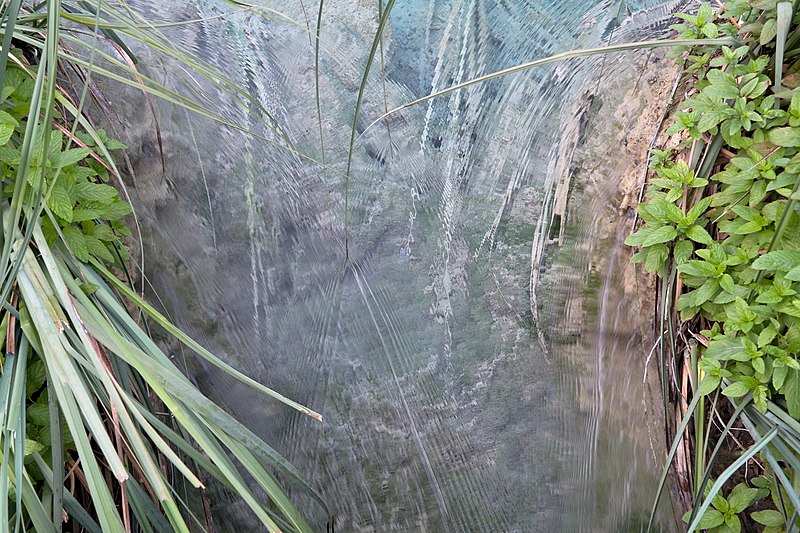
x,y
723,514
730,226
85,209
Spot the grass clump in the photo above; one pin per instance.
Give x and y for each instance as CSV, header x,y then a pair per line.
x,y
721,229
99,430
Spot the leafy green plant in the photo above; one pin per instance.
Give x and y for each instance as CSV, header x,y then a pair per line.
x,y
723,516
87,211
722,230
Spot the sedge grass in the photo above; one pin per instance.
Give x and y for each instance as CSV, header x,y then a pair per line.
x,y
104,374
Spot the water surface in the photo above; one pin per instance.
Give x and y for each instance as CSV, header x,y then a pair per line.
x,y
415,305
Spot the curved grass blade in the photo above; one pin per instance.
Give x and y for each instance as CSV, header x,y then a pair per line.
x,y
155,40
163,378
671,456
182,398
60,497
38,299
67,380
383,81
9,20
71,505
18,416
316,81
194,345
147,512
88,21
110,34
263,478
728,472
784,22
160,443
720,440
34,507
5,386
572,54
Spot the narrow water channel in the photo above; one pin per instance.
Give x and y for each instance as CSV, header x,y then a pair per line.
x,y
476,367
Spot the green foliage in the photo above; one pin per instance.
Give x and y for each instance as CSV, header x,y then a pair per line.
x,y
730,232
723,515
87,212
746,278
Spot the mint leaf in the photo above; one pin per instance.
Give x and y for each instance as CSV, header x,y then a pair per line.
x,y
735,390
95,192
97,248
768,518
708,385
791,391
768,32
711,519
785,136
740,497
701,269
683,251
76,242
725,348
5,132
69,157
699,234
60,203
656,256
780,260
660,235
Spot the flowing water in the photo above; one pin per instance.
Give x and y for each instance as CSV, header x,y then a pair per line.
x,y
476,364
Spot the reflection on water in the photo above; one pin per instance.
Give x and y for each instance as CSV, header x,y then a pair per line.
x,y
451,403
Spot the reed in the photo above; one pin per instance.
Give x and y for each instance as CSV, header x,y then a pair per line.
x,y
98,427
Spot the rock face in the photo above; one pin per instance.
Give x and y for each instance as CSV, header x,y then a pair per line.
x,y
601,307
397,300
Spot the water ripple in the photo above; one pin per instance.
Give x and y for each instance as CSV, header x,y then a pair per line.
x,y
445,408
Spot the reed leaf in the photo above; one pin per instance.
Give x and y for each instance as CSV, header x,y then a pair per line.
x,y
572,54
700,488
671,456
384,17
784,22
99,365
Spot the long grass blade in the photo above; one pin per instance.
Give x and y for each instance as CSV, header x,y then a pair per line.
x,y
265,479
5,385
111,386
671,456
19,398
191,343
784,22
572,54
94,386
72,506
34,508
316,82
182,399
9,21
361,90
148,513
66,383
720,440
57,452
